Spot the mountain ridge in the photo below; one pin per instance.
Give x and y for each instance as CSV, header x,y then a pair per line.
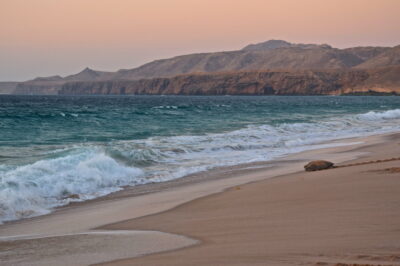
x,y
268,82
269,55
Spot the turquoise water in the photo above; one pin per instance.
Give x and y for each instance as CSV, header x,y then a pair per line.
x,y
54,146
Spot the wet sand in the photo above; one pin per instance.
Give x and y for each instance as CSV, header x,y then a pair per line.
x,y
343,215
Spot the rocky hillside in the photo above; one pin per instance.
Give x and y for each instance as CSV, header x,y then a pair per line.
x,y
281,58
273,55
51,85
367,53
289,82
389,57
276,44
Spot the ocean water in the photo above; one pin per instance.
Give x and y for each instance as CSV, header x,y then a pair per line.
x,y
52,147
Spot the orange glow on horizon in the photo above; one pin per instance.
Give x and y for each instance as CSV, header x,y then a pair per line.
x,y
45,37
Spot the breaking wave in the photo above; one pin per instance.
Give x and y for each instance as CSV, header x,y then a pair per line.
x,y
86,171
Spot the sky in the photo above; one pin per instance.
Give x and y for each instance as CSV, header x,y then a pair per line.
x,y
62,37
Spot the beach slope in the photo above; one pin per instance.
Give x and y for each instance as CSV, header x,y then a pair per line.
x,y
343,216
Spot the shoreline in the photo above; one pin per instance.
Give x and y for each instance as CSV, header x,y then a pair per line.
x,y
219,172
150,200
345,216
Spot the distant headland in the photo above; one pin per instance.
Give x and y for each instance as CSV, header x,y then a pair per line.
x,y
274,67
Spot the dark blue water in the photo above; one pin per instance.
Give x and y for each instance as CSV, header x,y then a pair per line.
x,y
55,146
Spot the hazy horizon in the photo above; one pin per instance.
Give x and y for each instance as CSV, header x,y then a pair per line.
x,y
45,37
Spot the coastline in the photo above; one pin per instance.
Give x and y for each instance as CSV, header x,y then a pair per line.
x,y
346,216
105,213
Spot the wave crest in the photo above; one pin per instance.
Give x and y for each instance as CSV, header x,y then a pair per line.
x,y
33,189
372,115
93,170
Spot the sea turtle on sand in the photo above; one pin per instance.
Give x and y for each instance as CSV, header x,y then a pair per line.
x,y
318,165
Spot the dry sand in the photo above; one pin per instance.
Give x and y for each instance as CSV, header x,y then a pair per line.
x,y
343,215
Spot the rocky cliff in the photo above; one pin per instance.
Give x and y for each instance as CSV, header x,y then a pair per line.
x,y
312,67
51,85
289,82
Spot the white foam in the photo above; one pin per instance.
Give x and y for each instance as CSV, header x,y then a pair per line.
x,y
390,114
92,170
34,189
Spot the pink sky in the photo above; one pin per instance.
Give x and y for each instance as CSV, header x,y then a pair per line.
x,y
49,37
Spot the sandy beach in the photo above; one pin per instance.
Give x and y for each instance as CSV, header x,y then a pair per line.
x,y
196,133
262,214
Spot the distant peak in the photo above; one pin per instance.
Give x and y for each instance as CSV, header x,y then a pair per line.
x,y
85,74
87,69
268,45
276,44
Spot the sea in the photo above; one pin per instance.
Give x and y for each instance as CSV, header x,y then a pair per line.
x,y
59,149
